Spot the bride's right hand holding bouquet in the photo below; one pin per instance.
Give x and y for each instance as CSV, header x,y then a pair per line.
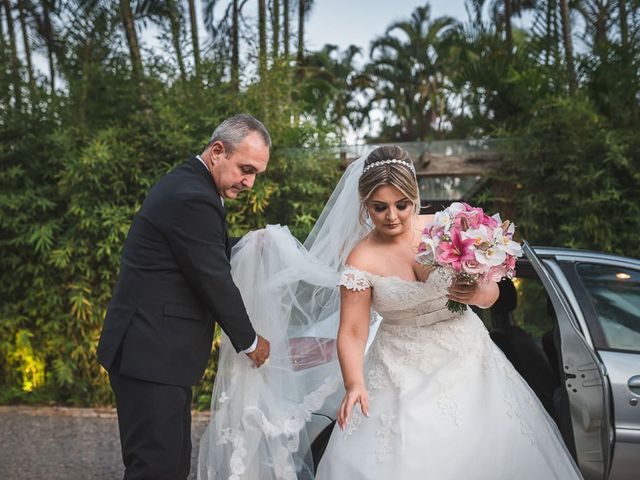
x,y
470,246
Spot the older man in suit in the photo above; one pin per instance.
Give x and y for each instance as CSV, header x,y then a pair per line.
x,y
174,284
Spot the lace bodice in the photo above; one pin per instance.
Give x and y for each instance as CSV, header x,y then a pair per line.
x,y
400,301
416,328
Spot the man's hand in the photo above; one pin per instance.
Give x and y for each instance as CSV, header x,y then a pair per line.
x,y
261,353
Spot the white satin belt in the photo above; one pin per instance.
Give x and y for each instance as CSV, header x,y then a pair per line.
x,y
423,320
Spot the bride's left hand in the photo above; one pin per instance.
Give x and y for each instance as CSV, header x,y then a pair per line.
x,y
354,394
482,294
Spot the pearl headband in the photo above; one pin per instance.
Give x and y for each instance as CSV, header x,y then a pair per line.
x,y
387,162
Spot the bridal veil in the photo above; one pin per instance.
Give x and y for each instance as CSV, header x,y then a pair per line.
x,y
259,416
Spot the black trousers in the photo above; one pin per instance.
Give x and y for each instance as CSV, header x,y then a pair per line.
x,y
155,427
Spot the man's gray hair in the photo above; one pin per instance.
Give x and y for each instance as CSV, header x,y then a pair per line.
x,y
235,129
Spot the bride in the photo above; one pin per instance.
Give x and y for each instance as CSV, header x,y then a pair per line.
x,y
435,397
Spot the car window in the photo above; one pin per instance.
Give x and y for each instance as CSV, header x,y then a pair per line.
x,y
534,314
615,296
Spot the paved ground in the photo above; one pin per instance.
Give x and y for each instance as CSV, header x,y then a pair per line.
x,y
55,443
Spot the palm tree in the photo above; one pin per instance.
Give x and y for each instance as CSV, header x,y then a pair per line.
x,y
45,30
3,46
304,7
262,35
132,38
624,27
174,14
127,19
194,37
226,33
285,21
161,11
598,20
15,64
568,45
275,28
235,44
87,37
22,15
507,25
502,12
410,75
332,86
550,34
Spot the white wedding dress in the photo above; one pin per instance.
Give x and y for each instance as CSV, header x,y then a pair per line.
x,y
444,401
445,404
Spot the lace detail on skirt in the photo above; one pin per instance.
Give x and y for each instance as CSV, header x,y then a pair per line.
x,y
388,426
438,389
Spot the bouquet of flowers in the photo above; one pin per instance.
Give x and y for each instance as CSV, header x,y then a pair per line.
x,y
469,245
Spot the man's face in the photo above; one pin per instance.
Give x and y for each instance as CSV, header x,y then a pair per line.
x,y
236,172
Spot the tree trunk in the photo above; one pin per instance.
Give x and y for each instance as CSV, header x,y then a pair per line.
x,y
285,39
132,38
4,61
174,21
3,45
48,33
624,27
568,46
557,38
262,28
548,20
601,42
275,26
27,50
194,37
301,12
235,48
507,26
15,65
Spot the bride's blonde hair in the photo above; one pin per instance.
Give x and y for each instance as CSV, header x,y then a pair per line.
x,y
400,174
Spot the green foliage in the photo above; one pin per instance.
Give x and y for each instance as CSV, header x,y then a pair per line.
x,y
68,192
77,160
570,180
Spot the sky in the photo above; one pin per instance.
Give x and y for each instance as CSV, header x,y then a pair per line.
x,y
357,22
339,22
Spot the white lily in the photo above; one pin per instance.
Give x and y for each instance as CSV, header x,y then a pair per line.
x,y
428,256
491,256
504,242
479,235
443,219
455,208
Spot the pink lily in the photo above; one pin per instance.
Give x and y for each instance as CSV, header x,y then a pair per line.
x,y
456,251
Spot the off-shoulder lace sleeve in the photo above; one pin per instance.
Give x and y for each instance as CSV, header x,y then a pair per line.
x,y
354,279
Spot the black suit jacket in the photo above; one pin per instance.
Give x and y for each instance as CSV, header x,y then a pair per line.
x,y
174,283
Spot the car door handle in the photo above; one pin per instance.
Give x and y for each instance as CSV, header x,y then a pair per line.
x,y
634,384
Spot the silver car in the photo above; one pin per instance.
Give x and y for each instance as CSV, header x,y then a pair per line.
x,y
570,324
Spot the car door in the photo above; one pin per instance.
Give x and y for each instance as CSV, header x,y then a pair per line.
x,y
609,292
585,381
